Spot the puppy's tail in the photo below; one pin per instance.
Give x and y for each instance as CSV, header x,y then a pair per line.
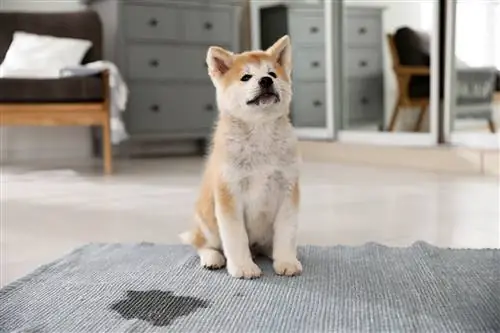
x,y
194,237
187,237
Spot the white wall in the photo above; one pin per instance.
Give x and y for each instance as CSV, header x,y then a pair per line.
x,y
476,29
496,36
27,143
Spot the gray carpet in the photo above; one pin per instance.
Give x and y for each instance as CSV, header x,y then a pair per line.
x,y
161,288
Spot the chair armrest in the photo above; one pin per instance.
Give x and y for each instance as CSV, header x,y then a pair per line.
x,y
412,70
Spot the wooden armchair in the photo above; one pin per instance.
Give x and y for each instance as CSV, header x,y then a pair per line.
x,y
78,101
403,75
62,113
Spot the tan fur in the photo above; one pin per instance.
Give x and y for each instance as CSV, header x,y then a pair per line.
x,y
205,205
226,198
211,184
296,195
244,58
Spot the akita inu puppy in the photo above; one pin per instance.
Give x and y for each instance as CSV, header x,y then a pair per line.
x,y
250,191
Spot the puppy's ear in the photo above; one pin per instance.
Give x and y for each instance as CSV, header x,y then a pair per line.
x,y
219,61
281,51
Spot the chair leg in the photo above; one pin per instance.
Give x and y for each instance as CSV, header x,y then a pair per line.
x,y
423,111
394,117
492,126
107,153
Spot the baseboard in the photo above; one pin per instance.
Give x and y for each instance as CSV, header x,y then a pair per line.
x,y
438,159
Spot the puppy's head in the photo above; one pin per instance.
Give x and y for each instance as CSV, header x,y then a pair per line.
x,y
253,85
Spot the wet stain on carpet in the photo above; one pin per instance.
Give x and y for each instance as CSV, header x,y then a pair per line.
x,y
159,308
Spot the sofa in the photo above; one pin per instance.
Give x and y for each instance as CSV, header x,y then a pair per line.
x,y
82,101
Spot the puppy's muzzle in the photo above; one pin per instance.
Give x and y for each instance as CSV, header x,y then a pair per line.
x,y
266,94
266,83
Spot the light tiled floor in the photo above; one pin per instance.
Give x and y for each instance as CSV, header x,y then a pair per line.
x,y
47,213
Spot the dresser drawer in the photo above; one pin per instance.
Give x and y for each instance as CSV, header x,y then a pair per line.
x,y
309,105
363,30
208,26
171,108
365,99
309,63
307,28
162,62
194,65
153,62
363,62
151,22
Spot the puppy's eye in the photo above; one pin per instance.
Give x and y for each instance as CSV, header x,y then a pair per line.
x,y
273,74
246,77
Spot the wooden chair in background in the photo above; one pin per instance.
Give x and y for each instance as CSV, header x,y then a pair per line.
x,y
73,101
56,113
403,76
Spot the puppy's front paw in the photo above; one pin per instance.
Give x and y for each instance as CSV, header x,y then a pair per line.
x,y
287,267
244,271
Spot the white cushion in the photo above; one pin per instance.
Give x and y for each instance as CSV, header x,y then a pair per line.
x,y
39,56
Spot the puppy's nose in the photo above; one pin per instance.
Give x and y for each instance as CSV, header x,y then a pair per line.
x,y
265,82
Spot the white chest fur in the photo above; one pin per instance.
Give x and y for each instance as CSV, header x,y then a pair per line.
x,y
260,168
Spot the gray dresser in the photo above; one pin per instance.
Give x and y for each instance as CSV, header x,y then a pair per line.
x,y
160,46
363,63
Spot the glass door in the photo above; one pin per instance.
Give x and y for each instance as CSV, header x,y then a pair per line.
x,y
304,22
389,63
472,103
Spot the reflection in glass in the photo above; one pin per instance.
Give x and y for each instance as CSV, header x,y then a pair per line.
x,y
363,68
304,23
386,51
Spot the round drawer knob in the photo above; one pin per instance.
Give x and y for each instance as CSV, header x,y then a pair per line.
x,y
155,108
208,26
364,101
362,31
314,30
317,103
363,63
153,22
209,107
154,63
315,64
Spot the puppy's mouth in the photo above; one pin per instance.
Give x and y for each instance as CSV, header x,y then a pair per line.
x,y
265,97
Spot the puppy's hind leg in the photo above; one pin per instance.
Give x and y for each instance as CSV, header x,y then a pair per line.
x,y
211,259
206,246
